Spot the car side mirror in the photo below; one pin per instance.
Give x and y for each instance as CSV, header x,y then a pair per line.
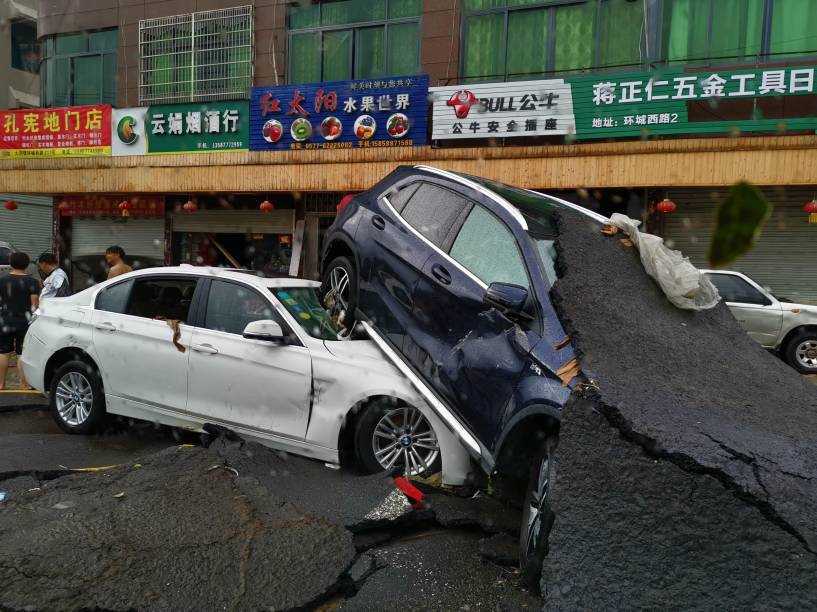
x,y
506,297
264,330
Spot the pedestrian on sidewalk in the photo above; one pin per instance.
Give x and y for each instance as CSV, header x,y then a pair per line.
x,y
56,280
19,297
115,256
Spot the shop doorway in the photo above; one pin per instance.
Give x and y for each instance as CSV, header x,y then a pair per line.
x,y
266,253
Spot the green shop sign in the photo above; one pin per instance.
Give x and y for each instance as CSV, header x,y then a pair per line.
x,y
210,127
679,102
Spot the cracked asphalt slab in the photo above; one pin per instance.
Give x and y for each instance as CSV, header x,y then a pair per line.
x,y
239,526
734,430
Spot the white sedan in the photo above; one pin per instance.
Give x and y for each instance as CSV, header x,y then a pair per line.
x,y
192,346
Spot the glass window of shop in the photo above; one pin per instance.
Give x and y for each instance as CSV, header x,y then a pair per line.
x,y
526,39
353,39
728,30
79,68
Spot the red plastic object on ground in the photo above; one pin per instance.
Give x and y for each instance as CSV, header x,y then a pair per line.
x,y
414,494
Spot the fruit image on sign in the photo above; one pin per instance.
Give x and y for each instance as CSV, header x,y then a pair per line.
x,y
125,130
365,127
272,130
301,129
398,125
331,128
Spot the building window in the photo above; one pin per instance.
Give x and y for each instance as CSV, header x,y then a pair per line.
x,y
196,57
794,28
80,68
526,39
25,52
353,39
712,29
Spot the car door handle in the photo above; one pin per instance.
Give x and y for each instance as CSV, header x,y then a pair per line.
x,y
205,348
441,274
379,222
105,326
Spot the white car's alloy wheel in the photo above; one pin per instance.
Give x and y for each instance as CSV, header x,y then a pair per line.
x,y
74,398
403,436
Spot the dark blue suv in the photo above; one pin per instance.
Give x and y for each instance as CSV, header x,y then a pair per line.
x,y
454,273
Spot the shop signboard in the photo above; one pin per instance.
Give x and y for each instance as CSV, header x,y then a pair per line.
x,y
384,112
94,205
128,135
773,99
207,127
502,110
74,131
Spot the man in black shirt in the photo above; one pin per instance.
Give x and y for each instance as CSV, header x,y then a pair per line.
x,y
19,297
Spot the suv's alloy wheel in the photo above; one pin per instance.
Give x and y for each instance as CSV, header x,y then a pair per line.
x,y
339,289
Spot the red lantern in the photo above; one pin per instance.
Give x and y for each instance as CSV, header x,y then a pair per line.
x,y
190,206
9,205
266,206
666,206
810,209
64,205
124,207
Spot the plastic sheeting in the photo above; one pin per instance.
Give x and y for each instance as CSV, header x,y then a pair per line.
x,y
683,284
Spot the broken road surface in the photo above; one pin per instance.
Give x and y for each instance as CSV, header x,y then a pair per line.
x,y
733,431
242,527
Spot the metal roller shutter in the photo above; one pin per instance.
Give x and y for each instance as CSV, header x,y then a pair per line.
x,y
235,222
785,257
29,227
137,236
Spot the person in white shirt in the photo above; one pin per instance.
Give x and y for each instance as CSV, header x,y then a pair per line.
x,y
56,280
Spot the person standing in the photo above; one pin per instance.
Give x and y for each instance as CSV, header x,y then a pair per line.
x,y
56,280
115,256
19,298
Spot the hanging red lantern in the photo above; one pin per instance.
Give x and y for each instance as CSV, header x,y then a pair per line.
x,y
810,209
124,208
190,206
63,205
9,205
266,206
666,206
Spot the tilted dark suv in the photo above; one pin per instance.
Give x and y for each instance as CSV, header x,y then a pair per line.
x,y
454,272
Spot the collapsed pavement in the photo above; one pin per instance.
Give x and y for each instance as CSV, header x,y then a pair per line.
x,y
242,527
689,476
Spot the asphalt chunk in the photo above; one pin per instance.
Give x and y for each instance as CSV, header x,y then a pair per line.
x,y
693,391
182,534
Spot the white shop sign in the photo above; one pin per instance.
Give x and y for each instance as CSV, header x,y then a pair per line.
x,y
503,110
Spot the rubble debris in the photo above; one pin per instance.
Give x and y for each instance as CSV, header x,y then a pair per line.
x,y
562,344
568,371
732,428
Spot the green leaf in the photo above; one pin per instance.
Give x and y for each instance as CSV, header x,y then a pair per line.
x,y
737,224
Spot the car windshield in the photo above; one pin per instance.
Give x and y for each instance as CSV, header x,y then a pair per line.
x,y
305,307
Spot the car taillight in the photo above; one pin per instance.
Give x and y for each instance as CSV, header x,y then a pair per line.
x,y
346,199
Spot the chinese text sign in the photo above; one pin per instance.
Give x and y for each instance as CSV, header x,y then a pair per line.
x,y
75,131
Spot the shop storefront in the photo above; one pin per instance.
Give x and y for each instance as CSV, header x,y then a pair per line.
x,y
784,256
239,236
89,224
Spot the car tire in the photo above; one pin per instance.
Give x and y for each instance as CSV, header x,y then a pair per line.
x,y
334,274
76,398
537,517
388,435
801,352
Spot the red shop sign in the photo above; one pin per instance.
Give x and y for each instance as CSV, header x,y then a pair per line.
x,y
108,206
75,131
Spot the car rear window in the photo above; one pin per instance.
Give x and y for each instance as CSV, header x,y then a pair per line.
x,y
433,211
399,199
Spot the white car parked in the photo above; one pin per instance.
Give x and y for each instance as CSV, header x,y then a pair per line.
x,y
258,356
